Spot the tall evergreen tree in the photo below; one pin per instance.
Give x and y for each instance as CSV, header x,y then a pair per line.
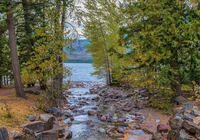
x,y
13,48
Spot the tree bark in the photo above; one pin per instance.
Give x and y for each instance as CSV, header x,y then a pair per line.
x,y
176,84
14,56
0,81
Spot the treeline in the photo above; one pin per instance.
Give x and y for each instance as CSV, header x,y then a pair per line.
x,y
33,33
153,44
78,61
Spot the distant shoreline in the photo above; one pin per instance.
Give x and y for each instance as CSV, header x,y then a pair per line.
x,y
79,61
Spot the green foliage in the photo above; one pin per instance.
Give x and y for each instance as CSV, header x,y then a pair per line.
x,y
162,101
101,22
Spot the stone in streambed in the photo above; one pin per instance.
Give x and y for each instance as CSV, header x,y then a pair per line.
x,y
118,136
140,137
71,118
126,109
103,118
68,134
136,132
109,119
88,121
136,126
162,128
101,130
121,120
91,112
121,130
91,124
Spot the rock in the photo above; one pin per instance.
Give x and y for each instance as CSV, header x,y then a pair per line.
x,y
187,116
195,112
36,126
196,120
110,134
17,135
180,100
121,130
172,135
31,118
28,134
47,120
187,106
140,137
121,120
101,130
175,123
118,136
68,134
136,132
162,128
67,114
56,111
110,128
183,135
138,114
60,130
88,121
123,124
71,118
178,110
48,109
38,136
158,121
136,126
91,124
69,122
103,118
91,112
126,109
4,134
49,135
191,127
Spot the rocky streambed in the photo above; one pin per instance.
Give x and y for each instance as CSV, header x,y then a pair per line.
x,y
96,112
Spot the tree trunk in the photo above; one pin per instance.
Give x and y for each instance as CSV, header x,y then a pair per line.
x,y
176,84
14,56
0,81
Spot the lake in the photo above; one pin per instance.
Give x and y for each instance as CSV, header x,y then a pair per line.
x,y
82,72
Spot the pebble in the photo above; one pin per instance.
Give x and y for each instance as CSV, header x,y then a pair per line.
x,y
101,130
158,121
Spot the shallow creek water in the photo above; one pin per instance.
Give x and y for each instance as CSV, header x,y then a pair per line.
x,y
80,127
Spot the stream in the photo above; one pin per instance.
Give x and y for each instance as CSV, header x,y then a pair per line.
x,y
81,101
98,112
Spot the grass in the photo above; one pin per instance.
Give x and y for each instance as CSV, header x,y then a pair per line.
x,y
14,111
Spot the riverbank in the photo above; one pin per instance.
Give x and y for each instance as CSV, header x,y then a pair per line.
x,y
92,111
14,110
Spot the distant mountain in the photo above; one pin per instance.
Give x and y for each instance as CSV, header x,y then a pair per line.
x,y
78,51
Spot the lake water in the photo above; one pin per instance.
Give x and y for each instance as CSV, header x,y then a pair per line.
x,y
82,72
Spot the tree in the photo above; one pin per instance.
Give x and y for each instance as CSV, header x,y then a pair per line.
x,y
154,32
101,22
14,56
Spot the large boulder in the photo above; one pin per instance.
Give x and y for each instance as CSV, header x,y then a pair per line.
x,y
184,135
36,126
4,134
28,134
47,120
47,135
176,123
191,127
